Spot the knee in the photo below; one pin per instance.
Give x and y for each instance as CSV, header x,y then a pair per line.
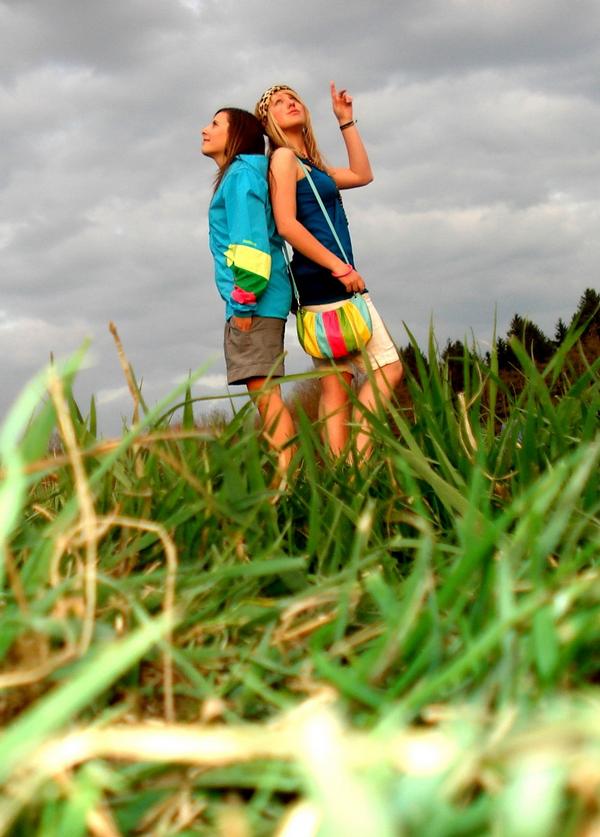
x,y
334,393
269,403
336,383
393,373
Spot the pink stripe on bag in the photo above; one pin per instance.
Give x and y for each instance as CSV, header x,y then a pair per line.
x,y
334,333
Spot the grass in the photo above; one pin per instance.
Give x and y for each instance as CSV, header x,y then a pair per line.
x,y
412,648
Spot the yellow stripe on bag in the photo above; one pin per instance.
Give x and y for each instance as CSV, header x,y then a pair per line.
x,y
307,333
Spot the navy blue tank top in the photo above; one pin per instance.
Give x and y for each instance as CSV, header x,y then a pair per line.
x,y
316,285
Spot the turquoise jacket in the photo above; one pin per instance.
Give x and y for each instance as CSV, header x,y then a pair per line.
x,y
250,269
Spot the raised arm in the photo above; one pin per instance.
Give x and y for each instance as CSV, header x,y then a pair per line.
x,y
358,172
283,175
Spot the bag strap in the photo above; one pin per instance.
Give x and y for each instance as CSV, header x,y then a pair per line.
x,y
291,274
325,213
331,227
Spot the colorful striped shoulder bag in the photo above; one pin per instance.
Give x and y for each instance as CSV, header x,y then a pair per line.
x,y
341,330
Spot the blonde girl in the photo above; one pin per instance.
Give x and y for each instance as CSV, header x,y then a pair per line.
x,y
322,275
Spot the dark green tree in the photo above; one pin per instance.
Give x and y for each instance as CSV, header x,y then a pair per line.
x,y
532,337
560,332
504,352
588,311
452,357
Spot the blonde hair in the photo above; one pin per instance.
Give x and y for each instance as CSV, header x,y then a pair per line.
x,y
277,138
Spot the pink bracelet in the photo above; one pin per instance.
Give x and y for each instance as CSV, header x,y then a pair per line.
x,y
341,275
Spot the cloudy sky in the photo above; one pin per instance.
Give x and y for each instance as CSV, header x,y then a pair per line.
x,y
482,118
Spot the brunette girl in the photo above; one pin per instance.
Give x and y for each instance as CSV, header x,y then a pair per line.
x,y
322,276
250,270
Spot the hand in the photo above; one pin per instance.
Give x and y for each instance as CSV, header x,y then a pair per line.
x,y
242,323
341,102
352,282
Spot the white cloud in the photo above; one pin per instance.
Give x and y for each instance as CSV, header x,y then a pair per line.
x,y
27,341
108,396
194,6
211,382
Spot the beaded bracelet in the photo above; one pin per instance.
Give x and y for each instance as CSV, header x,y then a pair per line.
x,y
348,124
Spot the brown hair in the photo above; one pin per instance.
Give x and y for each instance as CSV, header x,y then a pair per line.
x,y
277,138
245,135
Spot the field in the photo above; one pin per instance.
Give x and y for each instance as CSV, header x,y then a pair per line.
x,y
411,647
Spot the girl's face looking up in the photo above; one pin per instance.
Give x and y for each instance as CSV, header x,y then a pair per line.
x,y
214,137
286,110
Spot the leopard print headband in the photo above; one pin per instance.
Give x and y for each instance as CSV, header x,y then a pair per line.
x,y
263,103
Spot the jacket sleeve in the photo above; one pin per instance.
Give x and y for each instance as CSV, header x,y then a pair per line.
x,y
248,254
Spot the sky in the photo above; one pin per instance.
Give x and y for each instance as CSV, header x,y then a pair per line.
x,y
481,118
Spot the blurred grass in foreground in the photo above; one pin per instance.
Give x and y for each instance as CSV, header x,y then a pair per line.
x,y
411,648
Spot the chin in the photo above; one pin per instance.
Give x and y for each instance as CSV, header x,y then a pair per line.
x,y
293,123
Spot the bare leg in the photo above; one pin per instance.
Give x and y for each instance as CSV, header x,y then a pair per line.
x,y
334,410
377,390
278,425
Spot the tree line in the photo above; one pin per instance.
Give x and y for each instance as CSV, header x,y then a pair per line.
x,y
538,345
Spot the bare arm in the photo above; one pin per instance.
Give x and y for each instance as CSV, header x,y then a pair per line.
x,y
283,175
358,172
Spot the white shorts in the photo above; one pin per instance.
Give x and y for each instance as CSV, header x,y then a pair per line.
x,y
380,350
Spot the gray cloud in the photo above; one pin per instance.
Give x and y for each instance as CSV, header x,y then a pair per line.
x,y
482,120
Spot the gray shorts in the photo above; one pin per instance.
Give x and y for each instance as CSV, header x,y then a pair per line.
x,y
257,353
